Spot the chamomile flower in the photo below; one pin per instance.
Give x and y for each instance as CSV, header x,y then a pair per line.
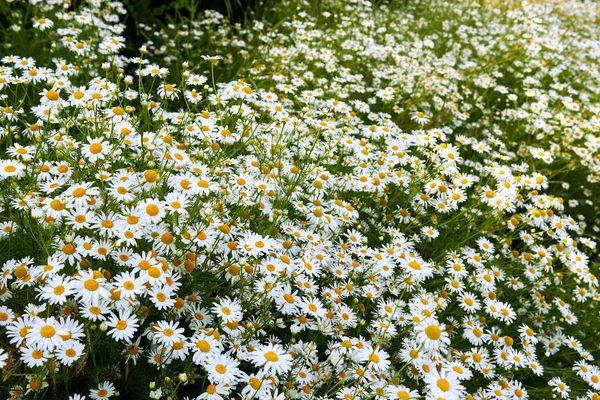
x,y
57,289
271,358
432,335
167,333
420,118
43,23
103,391
559,387
69,352
204,346
123,326
45,333
34,355
443,385
469,302
95,149
223,369
228,310
89,286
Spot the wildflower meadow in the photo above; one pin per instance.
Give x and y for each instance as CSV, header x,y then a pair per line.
x,y
320,199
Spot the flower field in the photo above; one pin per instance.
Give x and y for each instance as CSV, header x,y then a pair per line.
x,y
329,200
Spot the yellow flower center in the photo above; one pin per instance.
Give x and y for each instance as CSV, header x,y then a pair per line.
x,y
271,356
433,332
47,331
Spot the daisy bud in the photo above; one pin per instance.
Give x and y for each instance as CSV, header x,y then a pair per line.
x,y
103,327
183,377
152,385
37,213
151,164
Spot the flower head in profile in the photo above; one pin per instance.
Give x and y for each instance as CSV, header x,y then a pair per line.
x,y
212,59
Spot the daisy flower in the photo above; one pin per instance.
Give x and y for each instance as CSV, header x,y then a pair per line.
x,y
223,369
204,346
6,316
81,193
177,203
104,391
197,80
129,285
24,153
167,333
401,392
69,352
255,244
469,302
559,387
154,70
432,335
80,217
272,357
161,297
89,287
52,266
443,385
56,289
420,118
313,307
228,310
152,210
95,312
34,355
95,149
123,326
43,23
45,333
376,359
215,392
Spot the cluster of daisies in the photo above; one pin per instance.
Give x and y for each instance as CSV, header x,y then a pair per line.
x,y
382,203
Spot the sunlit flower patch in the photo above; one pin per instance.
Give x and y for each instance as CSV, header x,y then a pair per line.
x,y
352,200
